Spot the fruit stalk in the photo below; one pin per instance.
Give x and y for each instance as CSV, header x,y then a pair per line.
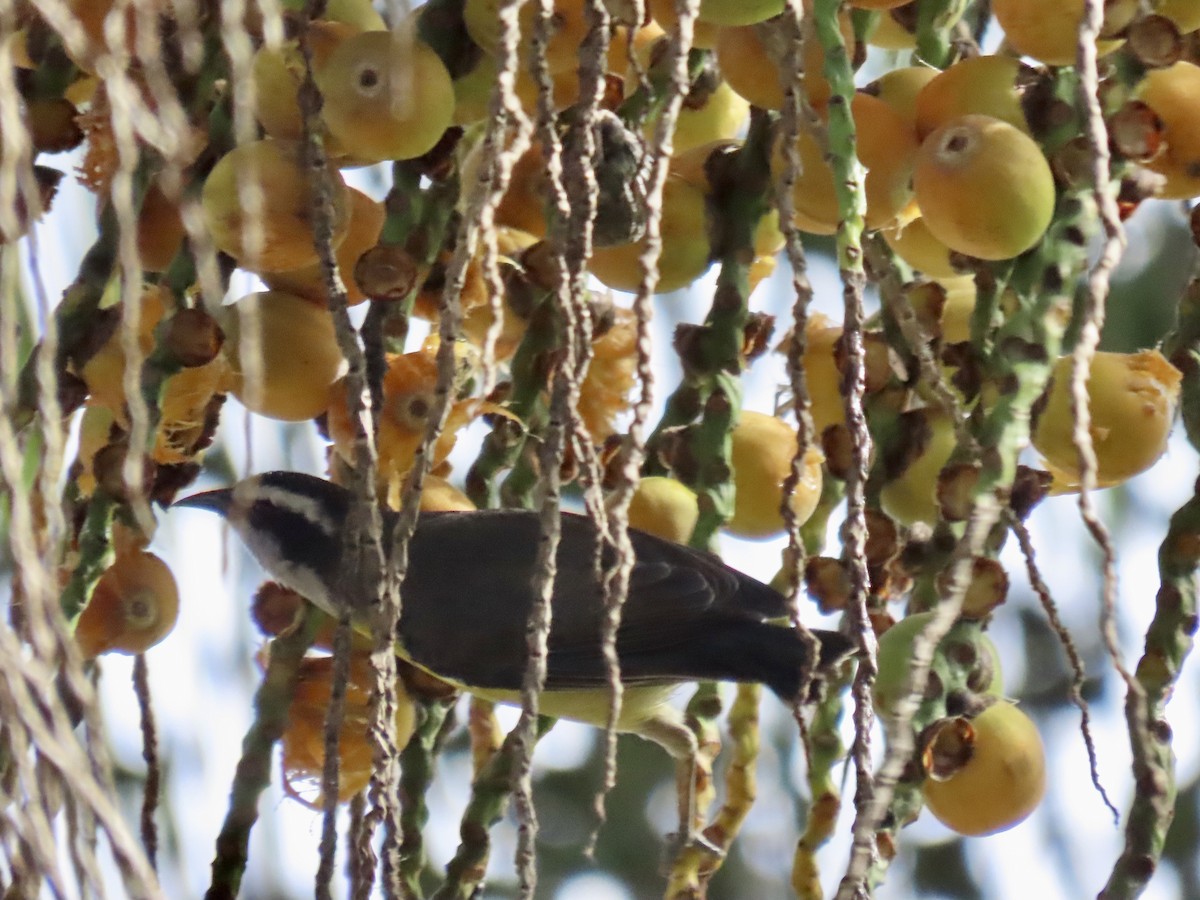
x,y
1024,349
848,178
697,862
418,763
1168,642
253,773
489,800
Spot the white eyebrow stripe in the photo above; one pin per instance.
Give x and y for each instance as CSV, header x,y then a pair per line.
x,y
309,508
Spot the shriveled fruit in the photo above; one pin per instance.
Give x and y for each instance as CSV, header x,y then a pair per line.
x,y
887,147
134,606
987,85
911,495
1172,93
304,737
986,774
387,95
362,233
685,253
285,235
284,354
983,187
664,507
1046,31
1132,398
963,642
159,230
763,449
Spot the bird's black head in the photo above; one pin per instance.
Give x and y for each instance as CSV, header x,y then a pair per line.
x,y
292,523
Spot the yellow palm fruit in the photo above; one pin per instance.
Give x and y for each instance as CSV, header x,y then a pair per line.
x,y
611,375
289,195
387,96
664,507
763,449
983,187
362,233
911,496
283,353
985,774
134,606
1132,397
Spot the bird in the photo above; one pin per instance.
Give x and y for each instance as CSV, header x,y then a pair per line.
x,y
468,591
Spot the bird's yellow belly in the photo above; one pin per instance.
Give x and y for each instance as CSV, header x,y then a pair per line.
x,y
638,704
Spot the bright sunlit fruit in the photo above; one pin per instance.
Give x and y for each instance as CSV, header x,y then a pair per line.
x,y
983,187
986,774
1132,397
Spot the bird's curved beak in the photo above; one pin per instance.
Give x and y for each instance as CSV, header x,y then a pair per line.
x,y
217,501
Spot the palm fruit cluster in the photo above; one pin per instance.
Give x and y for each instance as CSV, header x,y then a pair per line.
x,y
973,181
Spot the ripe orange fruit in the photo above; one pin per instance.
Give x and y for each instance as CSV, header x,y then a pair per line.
x,y
1048,32
362,233
987,85
134,606
887,148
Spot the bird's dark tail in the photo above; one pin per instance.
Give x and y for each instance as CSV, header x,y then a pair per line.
x,y
786,657
756,651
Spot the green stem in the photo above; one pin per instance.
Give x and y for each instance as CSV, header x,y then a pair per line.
x,y
253,773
